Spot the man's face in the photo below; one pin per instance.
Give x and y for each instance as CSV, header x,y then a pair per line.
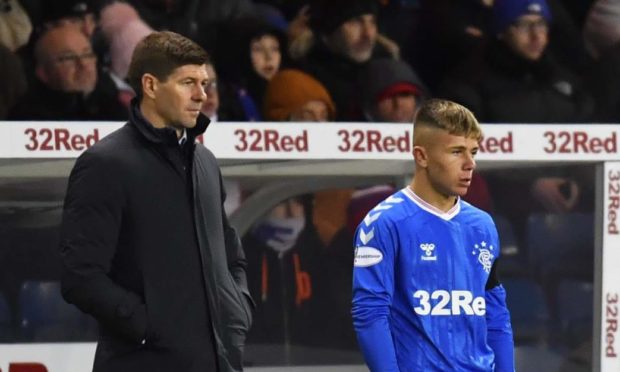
x,y
179,98
450,162
212,103
311,111
266,56
528,36
400,108
356,38
66,61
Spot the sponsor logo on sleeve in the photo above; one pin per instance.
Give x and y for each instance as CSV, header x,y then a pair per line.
x,y
367,256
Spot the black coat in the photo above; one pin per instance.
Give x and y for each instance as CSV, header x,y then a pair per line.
x,y
43,103
340,76
506,88
148,251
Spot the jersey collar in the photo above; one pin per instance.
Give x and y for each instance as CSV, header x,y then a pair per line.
x,y
431,209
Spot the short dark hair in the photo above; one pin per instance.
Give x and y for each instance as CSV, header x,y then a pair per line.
x,y
449,116
159,54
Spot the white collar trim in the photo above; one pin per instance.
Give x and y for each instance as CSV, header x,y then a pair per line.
x,y
183,138
432,209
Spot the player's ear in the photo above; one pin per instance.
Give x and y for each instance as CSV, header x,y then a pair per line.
x,y
420,156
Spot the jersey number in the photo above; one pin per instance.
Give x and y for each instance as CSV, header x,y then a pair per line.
x,y
449,303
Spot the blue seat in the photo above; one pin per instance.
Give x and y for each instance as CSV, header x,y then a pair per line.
x,y
561,245
528,310
575,301
45,316
6,328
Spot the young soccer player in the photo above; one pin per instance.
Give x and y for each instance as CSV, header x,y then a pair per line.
x,y
425,291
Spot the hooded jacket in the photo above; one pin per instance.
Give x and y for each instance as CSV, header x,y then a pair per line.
x,y
148,251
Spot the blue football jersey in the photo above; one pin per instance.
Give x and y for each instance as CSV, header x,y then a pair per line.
x,y
419,297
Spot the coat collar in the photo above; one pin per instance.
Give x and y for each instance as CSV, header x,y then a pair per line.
x,y
165,135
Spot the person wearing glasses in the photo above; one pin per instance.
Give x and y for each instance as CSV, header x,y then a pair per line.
x,y
518,79
68,84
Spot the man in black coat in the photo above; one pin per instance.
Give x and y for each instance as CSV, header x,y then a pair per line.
x,y
146,245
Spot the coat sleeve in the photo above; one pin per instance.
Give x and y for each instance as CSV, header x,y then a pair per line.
x,y
373,288
91,222
237,264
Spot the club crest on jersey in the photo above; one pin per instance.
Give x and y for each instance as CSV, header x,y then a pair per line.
x,y
485,257
429,250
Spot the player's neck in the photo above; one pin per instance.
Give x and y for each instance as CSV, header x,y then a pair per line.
x,y
426,192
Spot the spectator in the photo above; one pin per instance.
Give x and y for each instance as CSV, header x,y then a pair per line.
x,y
391,91
283,254
602,27
519,81
449,31
68,85
249,58
602,36
345,39
293,95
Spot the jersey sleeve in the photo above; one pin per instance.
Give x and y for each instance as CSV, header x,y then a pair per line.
x,y
499,329
373,287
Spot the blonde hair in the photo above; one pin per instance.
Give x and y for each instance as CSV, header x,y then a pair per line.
x,y
449,116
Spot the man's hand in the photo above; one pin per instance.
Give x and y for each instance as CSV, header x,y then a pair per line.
x,y
556,194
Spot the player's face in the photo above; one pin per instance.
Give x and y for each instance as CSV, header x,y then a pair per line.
x,y
451,163
179,98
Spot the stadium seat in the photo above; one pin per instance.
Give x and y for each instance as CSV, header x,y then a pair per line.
x,y
45,316
528,310
561,245
6,332
512,261
575,321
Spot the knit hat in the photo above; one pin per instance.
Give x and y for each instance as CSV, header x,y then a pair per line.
x,y
383,78
327,15
59,9
289,90
506,12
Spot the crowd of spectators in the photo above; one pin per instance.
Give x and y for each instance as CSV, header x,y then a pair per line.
x,y
507,60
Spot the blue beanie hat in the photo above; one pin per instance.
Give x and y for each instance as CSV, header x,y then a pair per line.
x,y
506,12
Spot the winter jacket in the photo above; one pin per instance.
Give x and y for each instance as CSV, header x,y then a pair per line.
x,y
43,103
148,251
506,88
